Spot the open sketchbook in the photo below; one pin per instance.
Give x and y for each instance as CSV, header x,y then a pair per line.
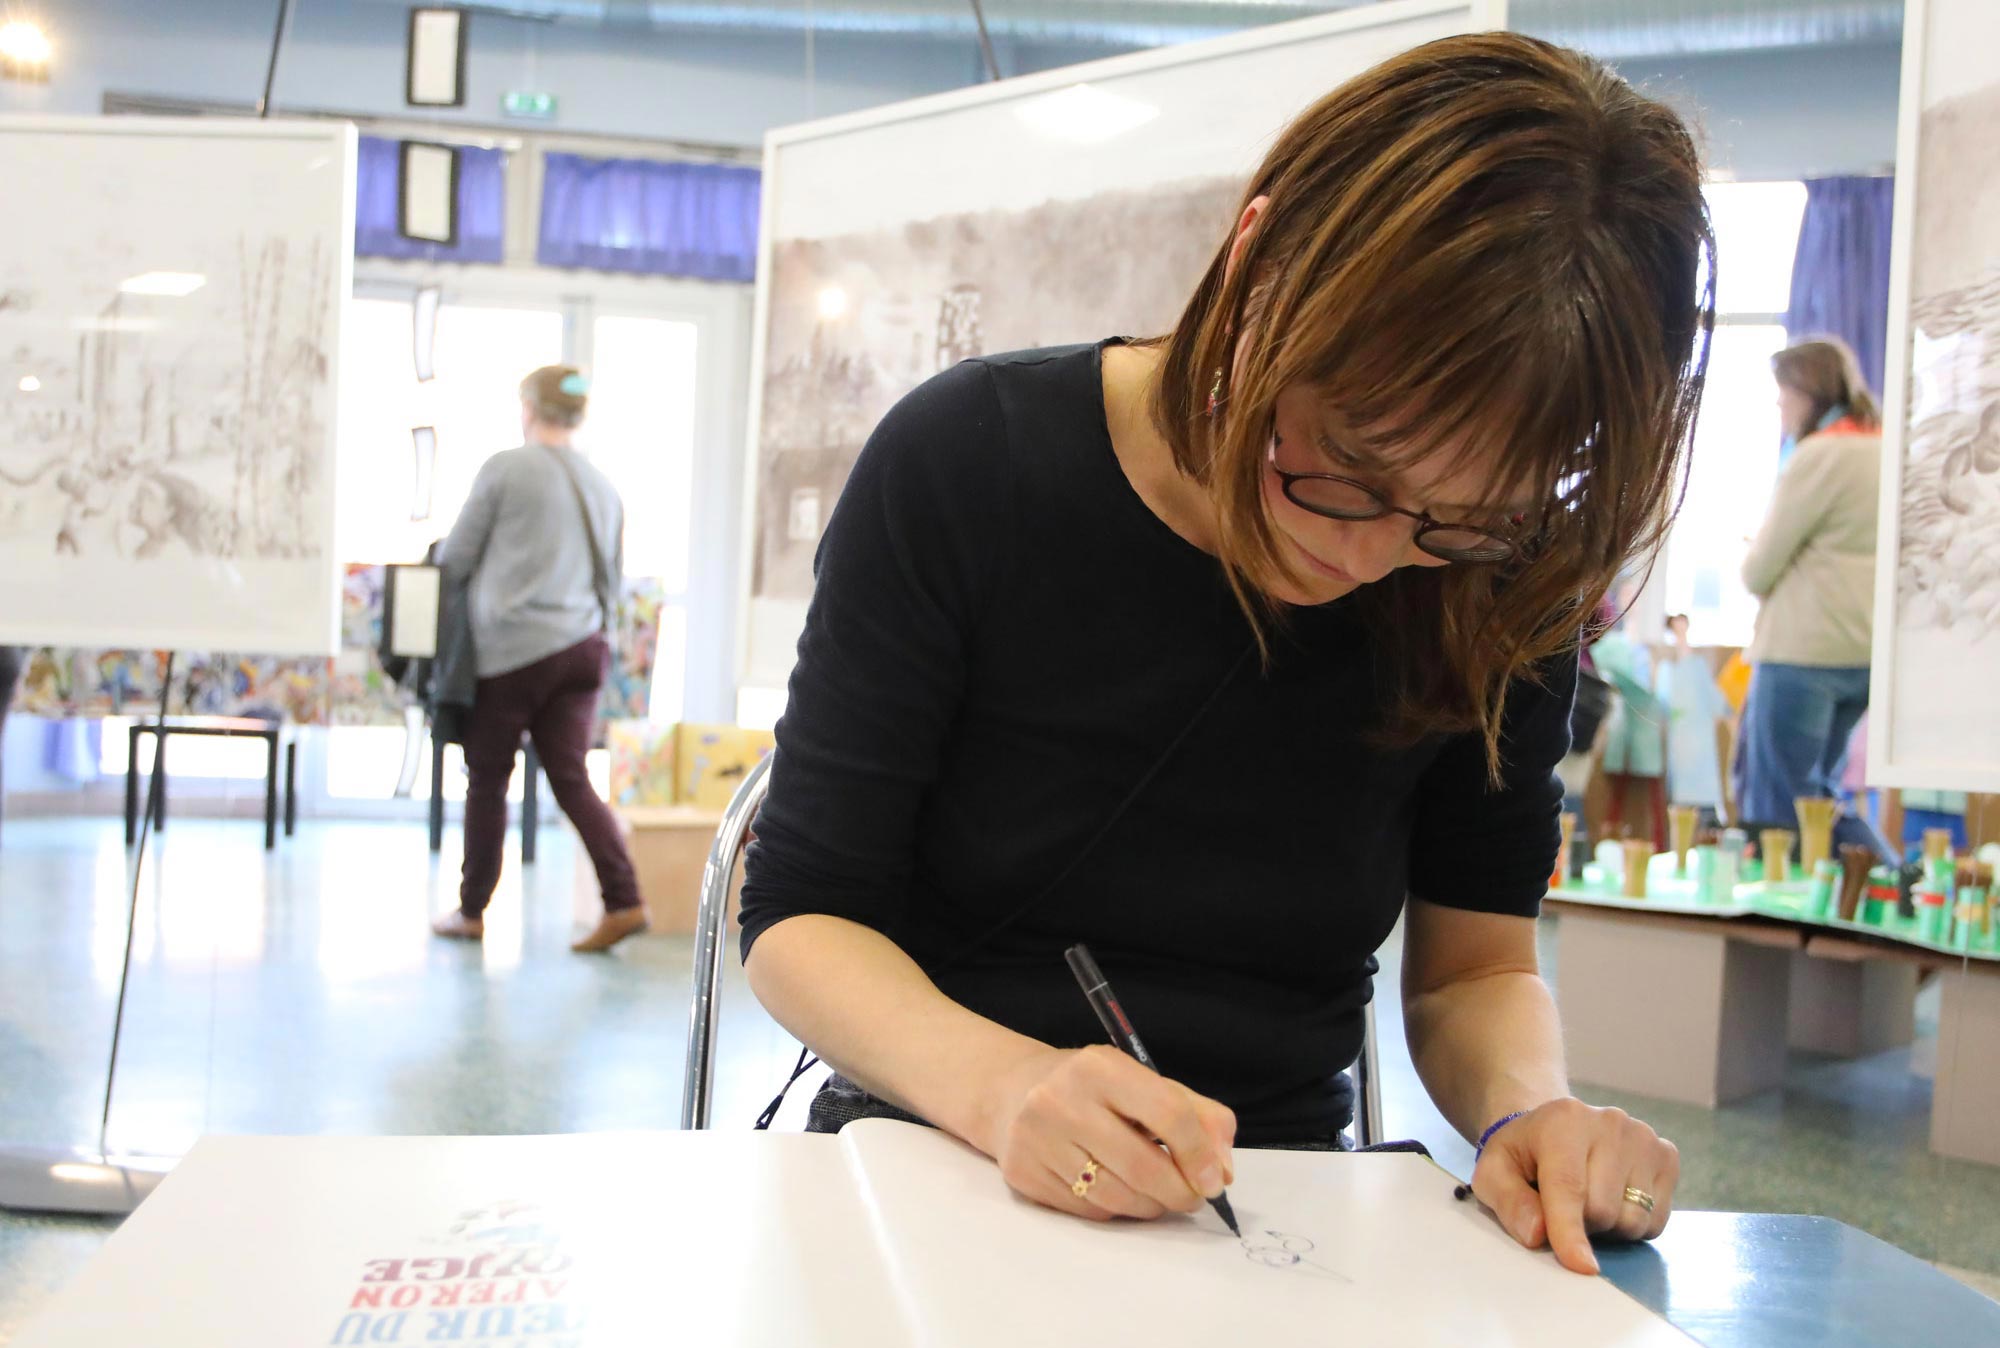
x,y
888,1235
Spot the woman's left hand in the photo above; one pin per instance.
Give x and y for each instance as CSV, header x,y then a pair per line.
x,y
1560,1174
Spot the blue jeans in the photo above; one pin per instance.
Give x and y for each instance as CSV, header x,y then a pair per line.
x,y
1796,725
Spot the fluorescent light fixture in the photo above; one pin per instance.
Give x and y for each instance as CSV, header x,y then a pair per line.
x,y
1085,114
424,445
427,189
832,302
435,74
24,52
423,332
77,1173
163,283
30,384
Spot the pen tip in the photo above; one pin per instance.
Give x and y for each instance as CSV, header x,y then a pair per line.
x,y
1222,1209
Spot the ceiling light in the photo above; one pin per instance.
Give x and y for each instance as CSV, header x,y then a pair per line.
x,y
434,69
24,52
832,303
30,384
1085,114
163,283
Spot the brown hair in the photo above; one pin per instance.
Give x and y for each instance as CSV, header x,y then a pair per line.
x,y
1488,243
1825,370
557,394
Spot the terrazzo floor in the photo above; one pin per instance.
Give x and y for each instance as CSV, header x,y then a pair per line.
x,y
299,992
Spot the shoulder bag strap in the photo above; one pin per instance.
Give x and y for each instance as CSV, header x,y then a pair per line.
x,y
599,573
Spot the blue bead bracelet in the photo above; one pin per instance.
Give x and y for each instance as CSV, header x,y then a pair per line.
x,y
1495,1127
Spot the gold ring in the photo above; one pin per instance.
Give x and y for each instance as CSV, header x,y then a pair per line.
x,y
1639,1196
1080,1186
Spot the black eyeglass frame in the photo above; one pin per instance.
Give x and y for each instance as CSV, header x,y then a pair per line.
x,y
1509,548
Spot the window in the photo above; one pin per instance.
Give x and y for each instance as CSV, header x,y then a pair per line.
x,y
1735,463
640,431
391,507
189,756
1756,235
390,510
1735,466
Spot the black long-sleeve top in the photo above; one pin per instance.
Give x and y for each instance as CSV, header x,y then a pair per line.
x,y
1002,640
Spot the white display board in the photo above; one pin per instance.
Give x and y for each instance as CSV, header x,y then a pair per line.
x,y
1062,207
170,301
1936,687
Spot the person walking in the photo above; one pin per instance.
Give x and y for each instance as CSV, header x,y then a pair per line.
x,y
538,548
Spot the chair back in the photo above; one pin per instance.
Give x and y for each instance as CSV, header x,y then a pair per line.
x,y
711,937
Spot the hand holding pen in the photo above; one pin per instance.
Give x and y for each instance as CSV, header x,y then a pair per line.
x,y
1119,1027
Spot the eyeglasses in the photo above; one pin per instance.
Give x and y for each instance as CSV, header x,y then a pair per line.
x,y
1342,498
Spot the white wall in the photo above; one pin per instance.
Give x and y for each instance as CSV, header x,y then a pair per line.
x,y
1779,114
1808,113
347,56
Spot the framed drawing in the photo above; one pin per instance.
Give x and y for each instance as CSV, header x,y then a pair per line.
x,y
1935,719
170,306
899,241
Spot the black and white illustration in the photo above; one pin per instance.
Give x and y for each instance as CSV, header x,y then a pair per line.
x,y
168,332
1937,653
146,443
858,321
1949,572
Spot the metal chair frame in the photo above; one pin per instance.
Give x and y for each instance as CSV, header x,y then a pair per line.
x,y
711,938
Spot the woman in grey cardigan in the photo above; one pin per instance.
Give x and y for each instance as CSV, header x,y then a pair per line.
x,y
539,542
1813,566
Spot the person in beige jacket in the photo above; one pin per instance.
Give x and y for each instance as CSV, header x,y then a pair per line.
x,y
1812,565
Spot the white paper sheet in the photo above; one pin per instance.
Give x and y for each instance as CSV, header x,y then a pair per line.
x,y
890,1236
1394,1261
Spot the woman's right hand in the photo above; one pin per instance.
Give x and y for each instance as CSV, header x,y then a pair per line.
x,y
1059,1109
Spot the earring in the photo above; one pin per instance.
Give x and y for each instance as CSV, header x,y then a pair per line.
x,y
1215,392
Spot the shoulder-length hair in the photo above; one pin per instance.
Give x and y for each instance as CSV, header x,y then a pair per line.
x,y
1489,249
1825,370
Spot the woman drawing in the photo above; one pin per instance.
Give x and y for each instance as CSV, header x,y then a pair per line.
x,y
1210,648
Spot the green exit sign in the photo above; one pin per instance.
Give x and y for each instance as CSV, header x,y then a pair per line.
x,y
529,107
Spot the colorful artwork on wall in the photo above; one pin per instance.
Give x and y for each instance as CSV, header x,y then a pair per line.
x,y
351,689
628,687
642,762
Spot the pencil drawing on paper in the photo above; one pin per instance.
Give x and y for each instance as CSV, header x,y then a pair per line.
x,y
1948,571
1276,1249
859,320
170,423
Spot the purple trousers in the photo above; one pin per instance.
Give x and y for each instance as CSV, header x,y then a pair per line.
x,y
555,701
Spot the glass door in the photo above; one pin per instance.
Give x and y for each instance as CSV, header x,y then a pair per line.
x,y
399,492
641,433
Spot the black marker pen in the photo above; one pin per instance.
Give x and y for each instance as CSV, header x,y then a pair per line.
x,y
1105,1003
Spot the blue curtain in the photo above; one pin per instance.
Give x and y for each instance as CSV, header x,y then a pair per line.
x,y
482,205
1840,276
696,220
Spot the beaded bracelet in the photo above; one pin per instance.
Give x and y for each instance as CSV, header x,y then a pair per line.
x,y
1464,1191
1495,1127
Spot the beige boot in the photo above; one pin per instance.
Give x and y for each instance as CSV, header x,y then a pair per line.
x,y
458,926
615,926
